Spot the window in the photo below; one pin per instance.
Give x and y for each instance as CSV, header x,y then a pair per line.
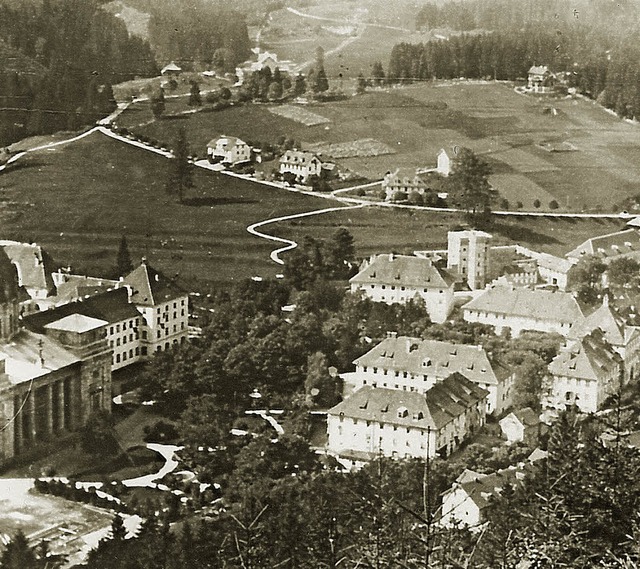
x,y
117,341
111,330
117,358
144,334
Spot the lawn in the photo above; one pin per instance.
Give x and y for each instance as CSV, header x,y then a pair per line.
x,y
77,201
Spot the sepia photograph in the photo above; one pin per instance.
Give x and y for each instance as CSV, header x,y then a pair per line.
x,y
319,284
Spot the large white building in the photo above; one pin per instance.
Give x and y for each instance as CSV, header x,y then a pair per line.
x,y
585,373
406,424
412,364
400,278
521,309
228,150
468,255
301,163
625,243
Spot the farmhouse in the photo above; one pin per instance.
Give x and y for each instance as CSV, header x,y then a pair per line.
x,y
404,424
228,150
50,382
399,185
302,164
521,309
585,373
540,79
171,70
625,243
468,256
400,278
412,364
266,59
520,426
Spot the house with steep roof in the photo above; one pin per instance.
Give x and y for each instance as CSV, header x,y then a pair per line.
x,y
50,382
228,150
416,365
445,163
624,339
394,279
164,307
520,426
540,79
406,424
171,70
521,309
584,373
625,243
301,163
400,184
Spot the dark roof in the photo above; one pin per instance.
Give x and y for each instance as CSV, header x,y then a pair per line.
x,y
611,245
150,287
443,403
527,417
9,288
604,319
539,304
432,357
591,358
112,306
404,270
34,264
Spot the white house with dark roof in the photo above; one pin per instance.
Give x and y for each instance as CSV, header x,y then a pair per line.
x,y
415,365
540,79
445,164
400,278
164,307
301,163
625,243
402,183
522,309
585,373
406,424
228,150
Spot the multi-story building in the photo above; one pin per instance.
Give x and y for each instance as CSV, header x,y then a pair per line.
x,y
394,423
400,278
402,184
521,309
49,382
164,307
412,364
625,243
468,256
301,163
585,373
228,150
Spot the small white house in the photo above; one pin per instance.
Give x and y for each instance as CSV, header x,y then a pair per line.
x,y
520,426
395,279
444,163
171,70
228,150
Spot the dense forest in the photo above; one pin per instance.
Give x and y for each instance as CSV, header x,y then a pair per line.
x,y
596,43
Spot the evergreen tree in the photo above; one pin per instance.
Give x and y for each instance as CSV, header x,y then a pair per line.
x,y
18,554
470,181
361,85
157,103
180,177
195,99
377,73
299,85
124,264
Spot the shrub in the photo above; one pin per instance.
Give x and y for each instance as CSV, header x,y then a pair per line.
x,y
537,203
415,198
553,204
160,431
360,192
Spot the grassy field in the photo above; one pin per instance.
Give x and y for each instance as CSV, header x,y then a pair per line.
x,y
490,118
77,201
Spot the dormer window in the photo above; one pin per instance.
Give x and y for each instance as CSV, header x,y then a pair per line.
x,y
403,412
418,416
426,363
364,405
413,347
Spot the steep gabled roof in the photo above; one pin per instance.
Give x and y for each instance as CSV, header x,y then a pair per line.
x,y
149,287
404,270
592,358
526,417
298,157
33,263
606,320
230,142
538,70
443,403
520,302
623,242
432,357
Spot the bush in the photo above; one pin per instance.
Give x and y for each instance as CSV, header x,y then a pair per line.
x,y
537,203
398,196
360,192
159,432
415,198
553,204
519,205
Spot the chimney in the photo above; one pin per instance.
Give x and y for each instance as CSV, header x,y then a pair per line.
x,y
391,257
144,261
392,334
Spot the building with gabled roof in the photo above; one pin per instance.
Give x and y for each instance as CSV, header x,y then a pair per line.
x,y
521,425
625,243
584,373
522,309
416,365
171,69
164,307
228,150
403,183
540,79
395,423
400,278
301,163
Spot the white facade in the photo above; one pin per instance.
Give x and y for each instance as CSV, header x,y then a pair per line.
x,y
229,150
124,340
516,323
302,164
468,254
459,509
444,163
164,325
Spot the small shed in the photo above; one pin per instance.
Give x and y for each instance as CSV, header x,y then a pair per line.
x,y
520,426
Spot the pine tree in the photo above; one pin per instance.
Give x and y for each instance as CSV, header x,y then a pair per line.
x,y
158,104
123,260
470,179
377,73
361,86
181,169
18,554
195,98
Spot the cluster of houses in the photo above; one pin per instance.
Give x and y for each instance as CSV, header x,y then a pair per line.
x,y
410,397
62,335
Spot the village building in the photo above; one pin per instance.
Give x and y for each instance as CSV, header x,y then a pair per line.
x,y
171,70
521,426
585,373
394,279
412,364
445,164
399,185
625,243
70,287
228,150
521,309
50,382
403,424
540,79
301,163
468,256
266,59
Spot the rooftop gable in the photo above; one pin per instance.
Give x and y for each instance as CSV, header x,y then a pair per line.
x,y
592,358
150,287
76,323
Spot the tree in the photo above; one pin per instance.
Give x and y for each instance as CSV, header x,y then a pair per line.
x,y
18,554
536,203
624,272
377,72
195,99
553,204
123,260
321,388
98,434
225,93
321,83
180,177
470,180
299,85
338,254
275,91
361,86
157,103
